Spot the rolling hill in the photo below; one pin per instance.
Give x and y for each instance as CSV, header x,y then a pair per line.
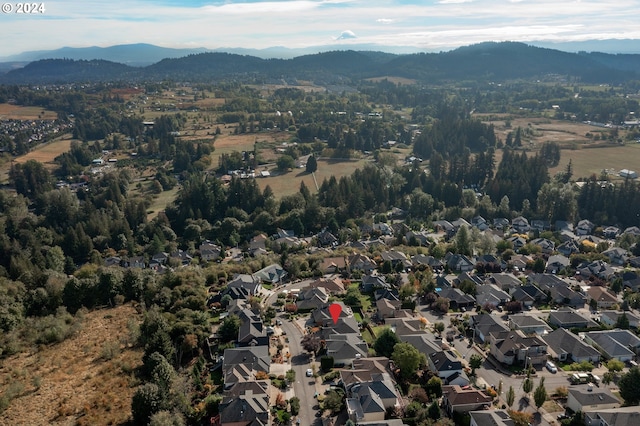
x,y
481,62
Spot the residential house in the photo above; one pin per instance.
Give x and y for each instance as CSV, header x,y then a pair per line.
x,y
365,407
253,358
444,226
632,230
521,225
568,248
448,367
373,282
273,273
480,223
631,280
567,347
584,227
246,410
528,324
540,225
457,298
597,268
404,326
588,398
344,348
546,246
556,263
426,343
159,258
620,416
181,257
491,295
333,265
248,282
529,295
517,241
326,239
396,258
112,261
422,260
383,387
136,262
611,232
490,418
252,331
485,324
622,345
519,262
421,238
460,222
505,281
501,223
454,398
611,318
258,245
458,262
569,318
322,317
209,251
312,298
386,308
332,286
617,256
512,347
558,290
603,297
362,263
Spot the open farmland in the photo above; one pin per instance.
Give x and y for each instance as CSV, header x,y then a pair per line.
x,y
588,161
17,112
289,183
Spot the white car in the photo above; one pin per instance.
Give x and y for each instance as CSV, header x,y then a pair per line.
x,y
551,367
309,372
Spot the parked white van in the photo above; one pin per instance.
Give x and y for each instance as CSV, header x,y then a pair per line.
x,y
551,367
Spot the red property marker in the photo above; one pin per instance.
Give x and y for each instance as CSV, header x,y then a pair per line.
x,y
335,310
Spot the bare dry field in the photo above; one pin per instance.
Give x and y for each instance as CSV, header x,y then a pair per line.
x,y
289,183
17,112
588,161
48,152
565,133
71,383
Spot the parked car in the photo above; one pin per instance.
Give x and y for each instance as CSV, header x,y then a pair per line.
x,y
309,372
551,367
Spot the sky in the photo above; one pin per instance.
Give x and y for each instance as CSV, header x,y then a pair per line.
x,y
424,25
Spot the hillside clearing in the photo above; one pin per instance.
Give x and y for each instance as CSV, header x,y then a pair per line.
x,y
86,380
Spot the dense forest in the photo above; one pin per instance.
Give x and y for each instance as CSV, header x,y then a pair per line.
x,y
485,61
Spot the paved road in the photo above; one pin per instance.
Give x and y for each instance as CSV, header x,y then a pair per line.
x,y
304,387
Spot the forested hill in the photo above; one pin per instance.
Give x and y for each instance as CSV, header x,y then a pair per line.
x,y
485,61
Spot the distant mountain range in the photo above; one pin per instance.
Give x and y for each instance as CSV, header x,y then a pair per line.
x,y
484,61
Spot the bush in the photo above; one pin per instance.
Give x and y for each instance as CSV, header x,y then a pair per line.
x,y
326,363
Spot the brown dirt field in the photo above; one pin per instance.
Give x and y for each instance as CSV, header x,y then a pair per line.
x,y
17,112
69,383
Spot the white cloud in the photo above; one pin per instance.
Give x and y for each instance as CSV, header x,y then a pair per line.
x,y
347,34
300,23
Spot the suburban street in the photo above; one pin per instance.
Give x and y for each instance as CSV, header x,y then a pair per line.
x,y
304,387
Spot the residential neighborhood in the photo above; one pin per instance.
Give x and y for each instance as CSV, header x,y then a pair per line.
x,y
514,321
